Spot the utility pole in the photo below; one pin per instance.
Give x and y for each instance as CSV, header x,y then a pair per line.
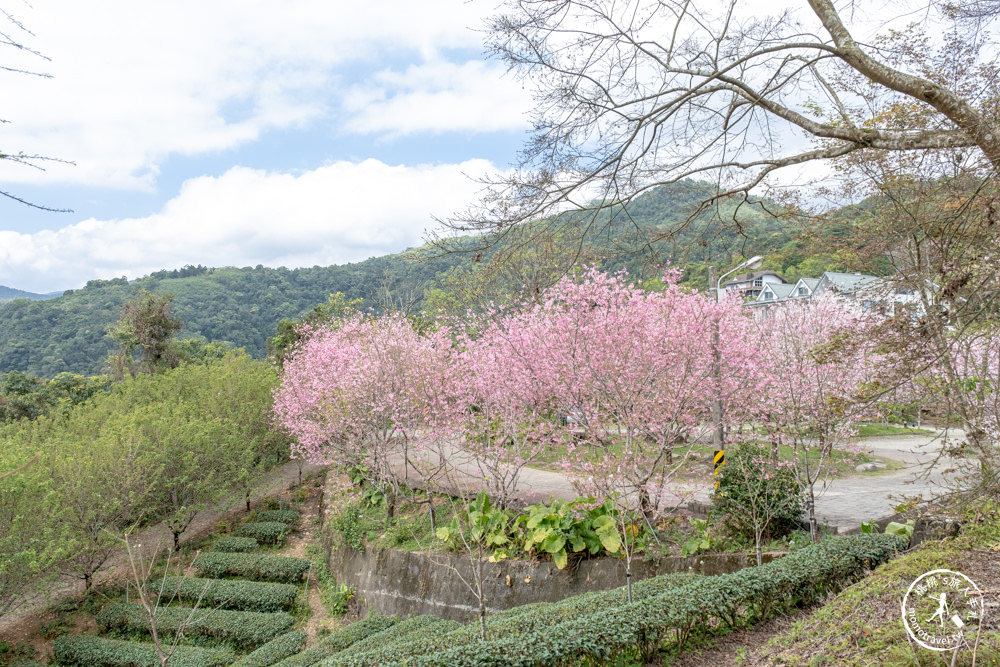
x,y
718,430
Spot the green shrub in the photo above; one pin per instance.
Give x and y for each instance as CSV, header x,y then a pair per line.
x,y
265,532
399,632
274,651
749,482
88,651
251,566
235,544
231,593
338,640
282,516
244,629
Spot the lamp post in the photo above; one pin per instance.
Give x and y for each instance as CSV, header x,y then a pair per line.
x,y
714,283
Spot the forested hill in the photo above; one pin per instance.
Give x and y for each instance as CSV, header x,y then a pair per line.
x,y
8,293
243,306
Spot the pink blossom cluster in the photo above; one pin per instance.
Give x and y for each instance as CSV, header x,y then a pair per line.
x,y
604,376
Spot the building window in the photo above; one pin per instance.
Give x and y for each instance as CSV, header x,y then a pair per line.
x,y
768,296
758,282
803,291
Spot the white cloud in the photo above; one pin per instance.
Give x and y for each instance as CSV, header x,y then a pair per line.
x,y
439,96
136,82
342,212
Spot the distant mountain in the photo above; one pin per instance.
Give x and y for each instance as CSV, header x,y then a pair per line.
x,y
243,306
8,293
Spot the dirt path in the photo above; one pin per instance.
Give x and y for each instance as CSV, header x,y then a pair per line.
x,y
296,547
23,624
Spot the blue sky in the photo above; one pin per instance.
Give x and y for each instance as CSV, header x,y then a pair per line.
x,y
241,133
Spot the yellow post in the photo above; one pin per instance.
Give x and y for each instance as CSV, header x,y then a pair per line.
x,y
720,458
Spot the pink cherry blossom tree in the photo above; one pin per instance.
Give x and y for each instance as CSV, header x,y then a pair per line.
x,y
632,370
811,376
361,391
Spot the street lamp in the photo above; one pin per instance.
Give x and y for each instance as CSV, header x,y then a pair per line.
x,y
754,262
718,435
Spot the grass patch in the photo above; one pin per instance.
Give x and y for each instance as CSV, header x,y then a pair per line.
x,y
870,430
863,625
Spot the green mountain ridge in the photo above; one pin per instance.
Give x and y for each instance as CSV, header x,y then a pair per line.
x,y
242,306
9,293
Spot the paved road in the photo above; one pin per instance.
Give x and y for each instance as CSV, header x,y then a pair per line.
x,y
865,496
842,502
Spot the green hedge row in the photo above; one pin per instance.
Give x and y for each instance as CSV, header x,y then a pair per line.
x,y
521,619
275,650
399,632
338,640
283,516
251,566
244,629
236,594
265,532
235,544
88,651
753,593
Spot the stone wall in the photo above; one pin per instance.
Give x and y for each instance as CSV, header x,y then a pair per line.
x,y
409,583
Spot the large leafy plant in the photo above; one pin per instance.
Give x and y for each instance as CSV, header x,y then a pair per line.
x,y
483,528
562,528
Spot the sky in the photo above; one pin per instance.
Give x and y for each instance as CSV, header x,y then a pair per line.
x,y
238,133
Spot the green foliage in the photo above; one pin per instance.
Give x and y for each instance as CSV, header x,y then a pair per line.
x,y
701,541
563,528
483,528
24,396
751,487
230,593
340,599
274,651
613,630
265,532
86,651
244,629
212,564
559,530
282,516
146,324
235,544
399,632
392,646
340,639
348,524
32,545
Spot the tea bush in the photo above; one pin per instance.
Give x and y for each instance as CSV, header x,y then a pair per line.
x,y
338,640
236,594
235,544
281,516
274,651
398,632
265,532
88,651
244,629
251,566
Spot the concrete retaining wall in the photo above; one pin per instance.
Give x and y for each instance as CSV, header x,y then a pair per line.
x,y
408,583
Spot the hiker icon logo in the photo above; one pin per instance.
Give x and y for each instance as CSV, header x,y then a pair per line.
x,y
941,608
